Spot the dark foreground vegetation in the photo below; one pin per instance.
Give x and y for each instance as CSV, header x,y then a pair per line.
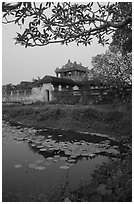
x,y
110,182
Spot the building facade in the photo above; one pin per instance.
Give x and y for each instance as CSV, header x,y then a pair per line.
x,y
71,83
73,71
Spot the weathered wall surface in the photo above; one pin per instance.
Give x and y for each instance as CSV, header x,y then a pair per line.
x,y
43,93
16,96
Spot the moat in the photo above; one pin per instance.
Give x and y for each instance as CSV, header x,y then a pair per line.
x,y
45,163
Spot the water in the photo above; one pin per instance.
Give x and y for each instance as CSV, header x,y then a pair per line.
x,y
50,180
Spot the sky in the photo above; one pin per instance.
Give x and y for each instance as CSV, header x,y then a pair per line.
x,y
24,64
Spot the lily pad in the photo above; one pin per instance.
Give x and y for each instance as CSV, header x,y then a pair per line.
x,y
73,156
91,155
64,167
71,160
55,160
63,158
20,139
40,168
40,130
49,158
43,150
56,156
84,154
17,166
49,136
33,145
51,148
67,153
32,166
38,161
39,146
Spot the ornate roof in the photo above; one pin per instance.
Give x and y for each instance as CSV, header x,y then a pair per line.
x,y
71,67
55,81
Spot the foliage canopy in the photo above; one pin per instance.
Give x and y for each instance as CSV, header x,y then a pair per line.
x,y
113,68
65,22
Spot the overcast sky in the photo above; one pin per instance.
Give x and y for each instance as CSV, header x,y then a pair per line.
x,y
24,64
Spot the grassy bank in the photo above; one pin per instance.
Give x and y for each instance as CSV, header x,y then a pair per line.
x,y
113,121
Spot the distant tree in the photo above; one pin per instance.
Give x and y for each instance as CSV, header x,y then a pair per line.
x,y
113,68
65,22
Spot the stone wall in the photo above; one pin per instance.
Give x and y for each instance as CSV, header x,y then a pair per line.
x,y
85,96
43,93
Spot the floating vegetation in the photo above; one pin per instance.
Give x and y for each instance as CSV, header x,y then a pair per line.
x,y
37,141
84,154
20,139
51,148
40,130
70,164
71,160
91,155
39,146
56,156
49,158
38,161
17,166
48,140
55,160
64,167
33,145
40,168
32,166
43,150
67,153
63,158
49,136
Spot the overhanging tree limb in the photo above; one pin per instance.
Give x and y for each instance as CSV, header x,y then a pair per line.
x,y
66,22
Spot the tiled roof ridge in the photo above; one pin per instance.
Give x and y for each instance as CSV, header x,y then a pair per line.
x,y
71,66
